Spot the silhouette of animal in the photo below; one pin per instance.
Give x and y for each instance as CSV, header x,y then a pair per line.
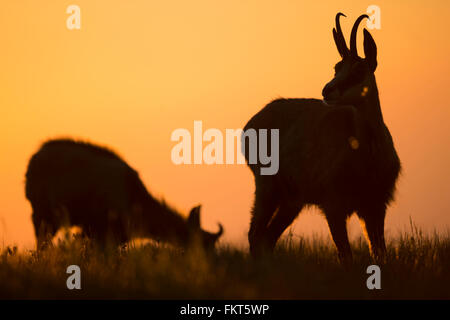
x,y
72,183
336,154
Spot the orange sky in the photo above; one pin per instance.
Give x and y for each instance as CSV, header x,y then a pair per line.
x,y
137,70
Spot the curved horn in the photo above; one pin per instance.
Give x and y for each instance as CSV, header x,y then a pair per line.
x,y
220,232
353,49
339,33
339,37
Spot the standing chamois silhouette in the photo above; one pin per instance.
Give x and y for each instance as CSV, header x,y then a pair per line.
x,y
71,183
336,154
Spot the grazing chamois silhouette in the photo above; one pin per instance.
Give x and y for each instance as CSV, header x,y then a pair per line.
x,y
336,154
72,183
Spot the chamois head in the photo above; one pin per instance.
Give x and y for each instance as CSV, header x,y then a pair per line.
x,y
197,235
354,76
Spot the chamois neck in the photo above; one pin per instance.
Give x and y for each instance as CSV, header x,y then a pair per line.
x,y
164,223
370,108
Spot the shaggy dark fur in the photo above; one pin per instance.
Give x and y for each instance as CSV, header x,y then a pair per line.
x,y
73,183
337,155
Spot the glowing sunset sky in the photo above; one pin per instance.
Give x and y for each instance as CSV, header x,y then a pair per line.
x,y
138,70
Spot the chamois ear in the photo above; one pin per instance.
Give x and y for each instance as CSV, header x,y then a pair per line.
x,y
193,220
370,50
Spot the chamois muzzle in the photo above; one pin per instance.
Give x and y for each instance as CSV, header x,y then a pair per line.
x,y
330,93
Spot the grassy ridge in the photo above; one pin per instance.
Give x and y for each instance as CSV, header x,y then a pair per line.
x,y
418,266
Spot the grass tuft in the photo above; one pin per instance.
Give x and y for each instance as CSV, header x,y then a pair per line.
x,y
417,267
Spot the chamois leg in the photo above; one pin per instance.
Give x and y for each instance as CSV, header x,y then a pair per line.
x,y
101,236
119,233
283,219
338,228
266,202
44,230
372,221
106,236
